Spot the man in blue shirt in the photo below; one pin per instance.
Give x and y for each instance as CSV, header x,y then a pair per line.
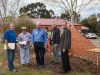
x,y
39,40
10,37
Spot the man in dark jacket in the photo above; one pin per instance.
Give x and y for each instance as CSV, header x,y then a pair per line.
x,y
65,45
55,41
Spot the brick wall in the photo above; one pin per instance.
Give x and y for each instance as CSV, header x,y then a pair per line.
x,y
80,44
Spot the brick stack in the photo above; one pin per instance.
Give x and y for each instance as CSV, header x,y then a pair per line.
x,y
80,45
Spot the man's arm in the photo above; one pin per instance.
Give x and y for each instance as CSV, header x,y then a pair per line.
x,y
45,38
66,40
6,36
32,36
6,43
57,36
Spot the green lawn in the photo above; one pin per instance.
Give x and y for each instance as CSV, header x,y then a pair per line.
x,y
26,71
29,70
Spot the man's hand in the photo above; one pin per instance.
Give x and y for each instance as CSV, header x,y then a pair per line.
x,y
63,50
45,46
56,45
8,48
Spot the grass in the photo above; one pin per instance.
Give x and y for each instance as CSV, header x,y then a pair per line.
x,y
26,71
30,71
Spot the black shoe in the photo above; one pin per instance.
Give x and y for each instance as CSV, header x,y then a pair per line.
x,y
23,64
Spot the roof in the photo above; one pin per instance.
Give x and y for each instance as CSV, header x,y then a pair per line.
x,y
51,21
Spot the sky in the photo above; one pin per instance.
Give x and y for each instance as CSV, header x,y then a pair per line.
x,y
90,9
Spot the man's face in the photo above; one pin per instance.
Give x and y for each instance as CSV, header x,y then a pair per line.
x,y
38,26
12,26
53,26
24,30
64,25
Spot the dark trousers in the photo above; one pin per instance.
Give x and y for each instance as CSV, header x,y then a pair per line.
x,y
39,51
10,56
65,61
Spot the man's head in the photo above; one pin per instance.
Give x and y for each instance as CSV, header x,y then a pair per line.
x,y
24,29
54,26
64,25
38,25
12,26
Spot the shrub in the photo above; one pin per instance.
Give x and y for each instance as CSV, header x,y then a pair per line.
x,y
19,22
24,21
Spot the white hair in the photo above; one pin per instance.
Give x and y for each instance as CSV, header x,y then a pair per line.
x,y
38,23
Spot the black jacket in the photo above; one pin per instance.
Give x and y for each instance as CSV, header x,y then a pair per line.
x,y
55,36
65,41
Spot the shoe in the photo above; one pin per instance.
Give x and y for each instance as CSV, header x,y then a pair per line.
x,y
55,63
63,72
13,70
41,66
67,71
23,64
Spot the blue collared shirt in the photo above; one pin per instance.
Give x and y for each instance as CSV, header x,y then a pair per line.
x,y
39,35
10,36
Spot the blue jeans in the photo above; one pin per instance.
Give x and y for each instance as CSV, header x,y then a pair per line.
x,y
10,56
56,53
24,55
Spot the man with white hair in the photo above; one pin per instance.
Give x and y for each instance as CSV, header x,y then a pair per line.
x,y
24,40
39,40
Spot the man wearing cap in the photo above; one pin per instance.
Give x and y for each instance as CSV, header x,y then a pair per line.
x,y
39,40
24,40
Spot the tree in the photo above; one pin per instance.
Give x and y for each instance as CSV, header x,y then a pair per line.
x,y
24,21
98,24
9,7
71,6
85,22
91,23
36,10
66,16
19,22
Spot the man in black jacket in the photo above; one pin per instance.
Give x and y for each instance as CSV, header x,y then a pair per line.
x,y
55,41
65,45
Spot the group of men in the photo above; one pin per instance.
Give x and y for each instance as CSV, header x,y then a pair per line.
x,y
60,41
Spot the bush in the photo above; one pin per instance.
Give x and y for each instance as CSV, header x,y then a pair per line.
x,y
24,21
19,22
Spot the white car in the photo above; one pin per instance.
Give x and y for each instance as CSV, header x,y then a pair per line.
x,y
91,35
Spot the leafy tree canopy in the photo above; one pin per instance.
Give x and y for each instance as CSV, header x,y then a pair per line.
x,y
37,10
66,15
90,22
